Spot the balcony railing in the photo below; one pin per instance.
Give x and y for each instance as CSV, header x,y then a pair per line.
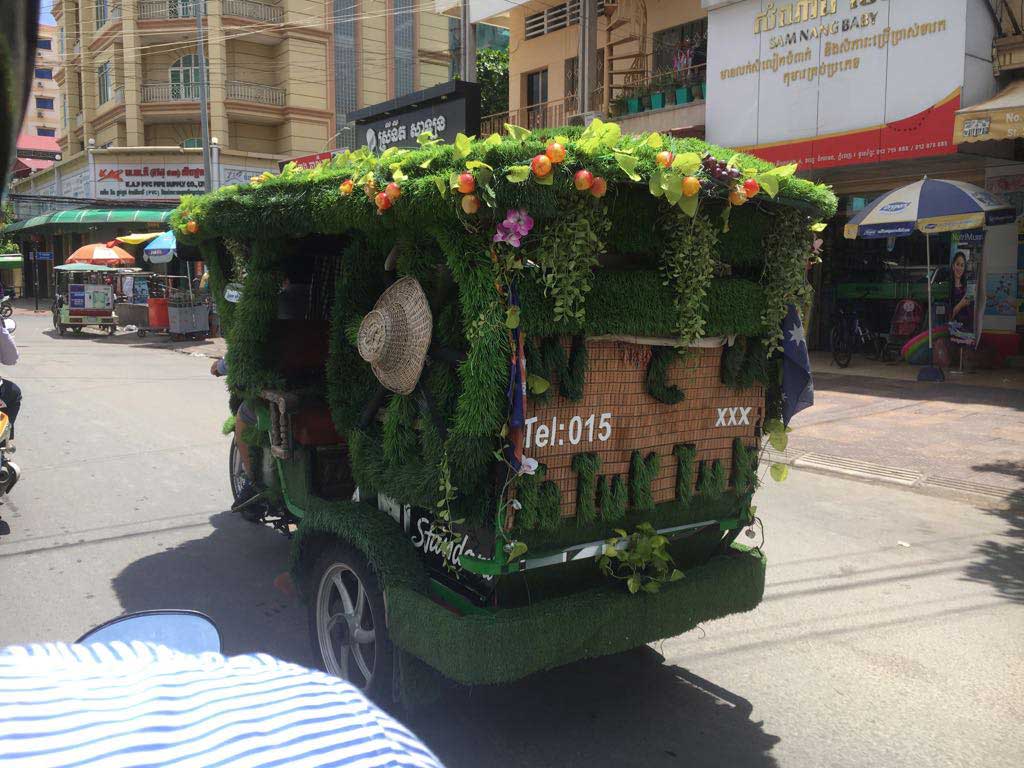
x,y
168,9
548,114
156,92
247,9
256,93
253,93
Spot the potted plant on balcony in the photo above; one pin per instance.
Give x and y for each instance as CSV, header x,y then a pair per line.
x,y
632,101
661,86
681,81
697,83
618,105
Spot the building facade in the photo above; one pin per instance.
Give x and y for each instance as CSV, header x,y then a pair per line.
x,y
384,49
649,62
42,117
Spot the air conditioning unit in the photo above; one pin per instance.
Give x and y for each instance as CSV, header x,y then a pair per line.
x,y
584,118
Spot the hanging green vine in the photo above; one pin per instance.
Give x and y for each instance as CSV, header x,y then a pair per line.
x,y
687,267
784,278
569,250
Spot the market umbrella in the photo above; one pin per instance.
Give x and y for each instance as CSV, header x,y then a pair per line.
x,y
931,206
161,249
102,255
135,238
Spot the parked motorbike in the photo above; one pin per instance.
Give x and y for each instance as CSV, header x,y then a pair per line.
x,y
10,472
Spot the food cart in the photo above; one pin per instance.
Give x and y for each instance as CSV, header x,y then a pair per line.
x,y
164,304
510,393
84,297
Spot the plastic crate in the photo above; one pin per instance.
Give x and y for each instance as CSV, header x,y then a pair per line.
x,y
189,319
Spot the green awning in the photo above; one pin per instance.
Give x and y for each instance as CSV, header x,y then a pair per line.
x,y
10,261
89,216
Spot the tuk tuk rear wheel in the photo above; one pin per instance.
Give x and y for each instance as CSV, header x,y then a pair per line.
x,y
60,329
77,329
347,623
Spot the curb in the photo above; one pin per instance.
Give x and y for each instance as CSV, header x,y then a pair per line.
x,y
967,490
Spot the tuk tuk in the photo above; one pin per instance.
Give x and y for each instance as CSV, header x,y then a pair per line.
x,y
84,297
510,393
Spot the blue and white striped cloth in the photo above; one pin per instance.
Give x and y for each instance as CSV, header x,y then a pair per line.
x,y
145,705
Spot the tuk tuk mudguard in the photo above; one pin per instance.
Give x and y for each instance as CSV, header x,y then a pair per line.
x,y
675,275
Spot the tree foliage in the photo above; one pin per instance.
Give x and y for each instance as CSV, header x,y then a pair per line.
x,y
492,75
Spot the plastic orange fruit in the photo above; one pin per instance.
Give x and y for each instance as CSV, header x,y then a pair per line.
x,y
583,180
599,187
541,165
467,183
555,153
383,201
664,158
691,186
470,204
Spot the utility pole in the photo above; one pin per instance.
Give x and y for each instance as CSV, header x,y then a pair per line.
x,y
204,116
587,62
467,40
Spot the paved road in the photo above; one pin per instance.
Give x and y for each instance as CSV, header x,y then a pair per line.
x,y
866,652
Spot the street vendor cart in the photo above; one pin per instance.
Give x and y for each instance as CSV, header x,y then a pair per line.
x,y
509,394
84,298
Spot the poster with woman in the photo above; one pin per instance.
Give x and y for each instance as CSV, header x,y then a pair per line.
x,y
965,271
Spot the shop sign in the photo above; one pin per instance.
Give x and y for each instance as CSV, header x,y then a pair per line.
x,y
836,82
148,181
309,161
444,111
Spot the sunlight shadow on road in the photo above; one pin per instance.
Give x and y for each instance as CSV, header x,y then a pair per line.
x,y
1002,563
630,709
228,575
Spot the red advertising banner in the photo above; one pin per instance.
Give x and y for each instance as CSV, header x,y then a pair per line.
x,y
925,134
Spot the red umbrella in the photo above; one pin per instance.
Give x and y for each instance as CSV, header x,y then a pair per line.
x,y
104,255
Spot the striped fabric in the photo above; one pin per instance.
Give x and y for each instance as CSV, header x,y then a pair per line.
x,y
144,705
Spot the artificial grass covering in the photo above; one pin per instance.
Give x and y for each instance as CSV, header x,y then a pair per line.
x,y
499,648
456,417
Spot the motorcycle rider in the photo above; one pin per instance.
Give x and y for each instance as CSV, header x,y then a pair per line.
x,y
10,393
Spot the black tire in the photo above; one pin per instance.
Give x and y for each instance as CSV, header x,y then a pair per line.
x,y
842,351
342,561
255,512
77,329
141,333
874,348
6,310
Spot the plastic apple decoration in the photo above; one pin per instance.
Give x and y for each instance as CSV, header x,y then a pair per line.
x,y
382,201
393,191
541,165
691,186
738,196
192,227
583,180
599,187
346,187
470,204
751,187
467,184
664,158
555,153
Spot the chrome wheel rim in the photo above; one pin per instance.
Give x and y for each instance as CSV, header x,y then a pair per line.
x,y
345,627
238,476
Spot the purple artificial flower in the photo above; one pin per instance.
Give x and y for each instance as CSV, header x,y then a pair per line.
x,y
518,222
517,225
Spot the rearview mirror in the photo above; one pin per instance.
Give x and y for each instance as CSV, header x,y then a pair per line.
x,y
185,631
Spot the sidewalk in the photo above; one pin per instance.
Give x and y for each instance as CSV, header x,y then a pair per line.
x,y
963,437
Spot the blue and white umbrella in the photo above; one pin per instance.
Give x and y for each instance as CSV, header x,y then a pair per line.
x,y
161,249
930,206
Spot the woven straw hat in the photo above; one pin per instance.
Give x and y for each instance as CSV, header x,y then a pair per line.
x,y
394,337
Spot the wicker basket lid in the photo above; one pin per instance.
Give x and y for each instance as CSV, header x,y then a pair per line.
x,y
395,335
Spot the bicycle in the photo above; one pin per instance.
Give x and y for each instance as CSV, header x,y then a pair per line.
x,y
849,336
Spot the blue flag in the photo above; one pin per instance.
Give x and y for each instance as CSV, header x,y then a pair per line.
x,y
797,386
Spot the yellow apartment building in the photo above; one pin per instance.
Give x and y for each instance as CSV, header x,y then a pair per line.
x,y
42,117
649,52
